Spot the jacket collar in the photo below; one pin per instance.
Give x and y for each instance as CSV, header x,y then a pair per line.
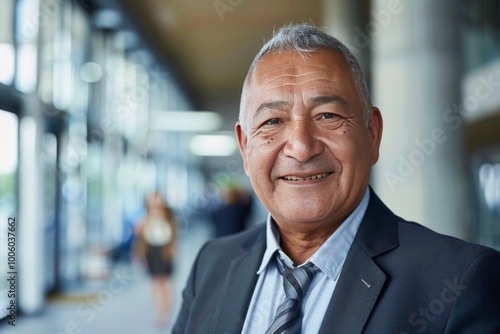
x,y
239,284
378,232
361,280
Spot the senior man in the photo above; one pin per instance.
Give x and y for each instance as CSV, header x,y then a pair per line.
x,y
331,258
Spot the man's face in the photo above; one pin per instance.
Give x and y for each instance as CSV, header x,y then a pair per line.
x,y
307,150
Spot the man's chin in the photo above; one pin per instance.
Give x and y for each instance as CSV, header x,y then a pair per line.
x,y
303,212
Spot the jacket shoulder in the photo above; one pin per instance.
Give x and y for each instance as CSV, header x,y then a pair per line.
x,y
419,237
228,247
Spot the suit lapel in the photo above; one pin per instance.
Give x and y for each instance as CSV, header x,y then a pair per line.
x,y
237,287
355,294
361,280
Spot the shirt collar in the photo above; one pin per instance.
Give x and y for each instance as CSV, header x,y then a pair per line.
x,y
272,243
332,254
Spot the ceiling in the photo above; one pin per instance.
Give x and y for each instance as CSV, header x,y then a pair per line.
x,y
212,43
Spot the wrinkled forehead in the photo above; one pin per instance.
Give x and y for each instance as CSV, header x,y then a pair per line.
x,y
289,65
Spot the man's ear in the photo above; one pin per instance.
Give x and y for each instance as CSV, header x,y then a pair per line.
x,y
242,144
375,127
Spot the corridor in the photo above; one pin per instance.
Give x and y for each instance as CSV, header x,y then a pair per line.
x,y
122,304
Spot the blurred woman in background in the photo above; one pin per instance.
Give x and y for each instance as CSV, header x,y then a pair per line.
x,y
155,245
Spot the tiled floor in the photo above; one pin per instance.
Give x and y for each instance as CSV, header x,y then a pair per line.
x,y
122,305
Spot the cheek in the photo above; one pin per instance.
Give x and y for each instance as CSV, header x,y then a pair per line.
x,y
348,146
261,154
356,154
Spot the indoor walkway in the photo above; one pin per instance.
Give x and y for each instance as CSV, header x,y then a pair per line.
x,y
122,305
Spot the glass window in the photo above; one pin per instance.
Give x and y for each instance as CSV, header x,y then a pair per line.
x,y
8,190
70,53
7,54
27,26
487,190
50,183
481,32
80,41
63,73
93,168
50,19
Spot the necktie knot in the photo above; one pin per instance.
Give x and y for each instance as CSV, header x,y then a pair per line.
x,y
296,282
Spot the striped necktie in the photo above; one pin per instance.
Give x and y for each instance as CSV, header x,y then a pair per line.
x,y
296,281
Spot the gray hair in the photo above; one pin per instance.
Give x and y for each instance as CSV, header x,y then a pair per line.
x,y
303,39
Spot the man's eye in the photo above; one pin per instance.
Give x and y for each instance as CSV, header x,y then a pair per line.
x,y
272,121
328,116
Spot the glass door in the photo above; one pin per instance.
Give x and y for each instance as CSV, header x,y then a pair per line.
x,y
486,177
8,199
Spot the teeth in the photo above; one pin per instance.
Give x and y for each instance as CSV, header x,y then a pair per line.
x,y
313,177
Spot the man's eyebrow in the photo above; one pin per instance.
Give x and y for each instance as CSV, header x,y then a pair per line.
x,y
325,99
272,105
315,101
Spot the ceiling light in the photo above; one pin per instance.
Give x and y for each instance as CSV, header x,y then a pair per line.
x,y
185,121
212,145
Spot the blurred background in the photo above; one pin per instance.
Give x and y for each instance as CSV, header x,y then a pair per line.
x,y
104,101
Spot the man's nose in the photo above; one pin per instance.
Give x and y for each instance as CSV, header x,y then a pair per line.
x,y
302,142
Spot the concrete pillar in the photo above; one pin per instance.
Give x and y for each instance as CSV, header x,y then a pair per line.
x,y
346,21
415,83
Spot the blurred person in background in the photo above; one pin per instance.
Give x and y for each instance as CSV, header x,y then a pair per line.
x,y
233,212
155,237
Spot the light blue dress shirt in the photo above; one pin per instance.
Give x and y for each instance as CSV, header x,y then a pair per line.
x,y
329,258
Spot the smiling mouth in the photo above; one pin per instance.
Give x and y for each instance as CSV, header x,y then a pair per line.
x,y
312,177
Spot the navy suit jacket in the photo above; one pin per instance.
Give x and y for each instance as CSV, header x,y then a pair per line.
x,y
399,277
